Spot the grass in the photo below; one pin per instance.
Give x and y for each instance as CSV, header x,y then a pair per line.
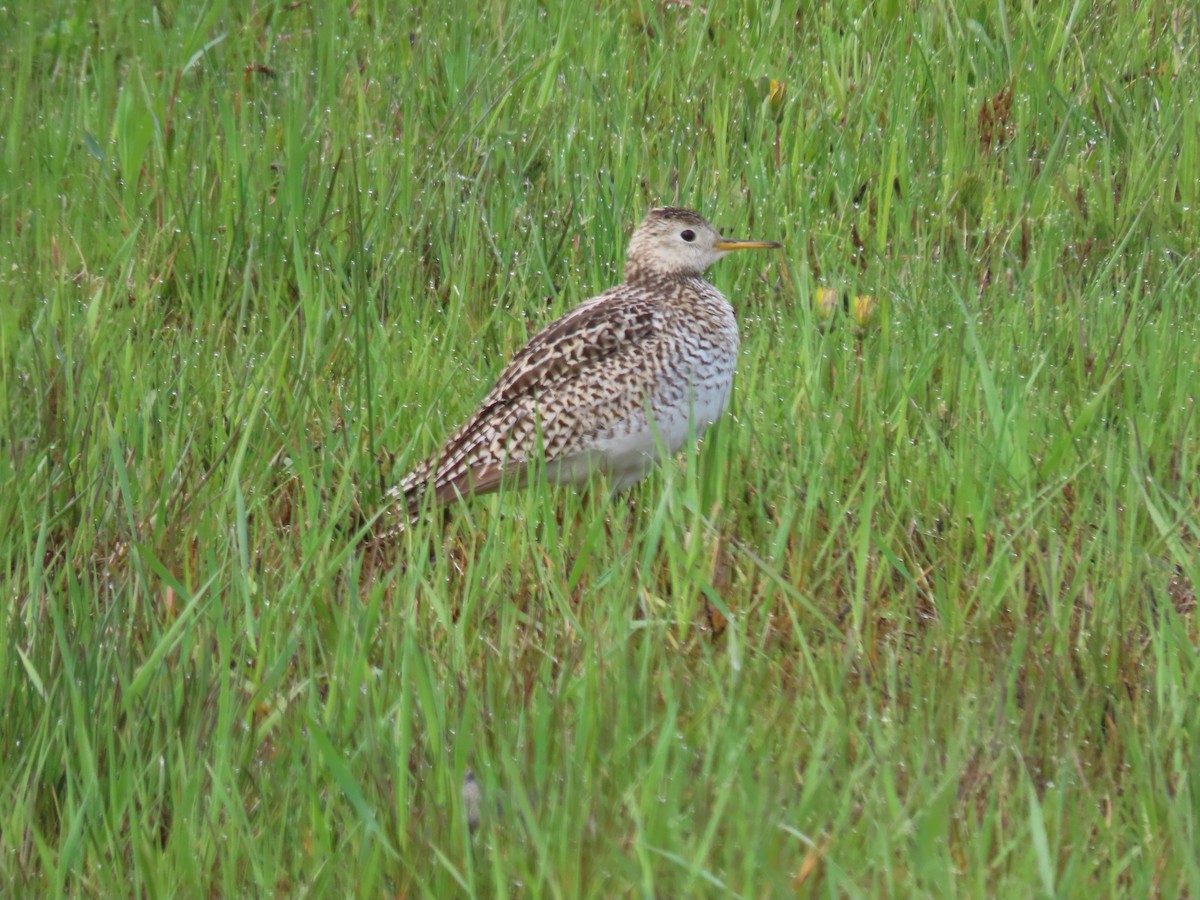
x,y
916,619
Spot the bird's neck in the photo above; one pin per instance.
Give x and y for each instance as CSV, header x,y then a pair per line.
x,y
636,273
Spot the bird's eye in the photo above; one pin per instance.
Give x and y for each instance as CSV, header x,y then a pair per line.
x,y
688,235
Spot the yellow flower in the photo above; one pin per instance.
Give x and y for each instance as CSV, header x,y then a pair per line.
x,y
825,302
776,95
863,307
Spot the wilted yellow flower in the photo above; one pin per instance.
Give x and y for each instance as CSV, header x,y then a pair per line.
x,y
776,95
863,307
825,303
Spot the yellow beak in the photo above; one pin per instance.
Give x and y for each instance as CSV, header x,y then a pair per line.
x,y
746,245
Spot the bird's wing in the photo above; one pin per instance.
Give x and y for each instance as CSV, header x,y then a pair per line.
x,y
521,413
592,332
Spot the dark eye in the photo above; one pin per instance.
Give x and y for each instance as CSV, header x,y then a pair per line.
x,y
688,235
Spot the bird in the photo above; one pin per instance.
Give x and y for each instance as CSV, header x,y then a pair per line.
x,y
619,382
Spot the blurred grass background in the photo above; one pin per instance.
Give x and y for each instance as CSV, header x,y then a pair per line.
x,y
917,618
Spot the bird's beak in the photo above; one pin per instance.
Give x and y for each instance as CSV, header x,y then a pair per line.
x,y
727,245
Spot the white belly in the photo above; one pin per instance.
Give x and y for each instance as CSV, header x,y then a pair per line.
x,y
627,456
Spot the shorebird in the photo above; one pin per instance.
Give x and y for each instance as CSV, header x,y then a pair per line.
x,y
620,381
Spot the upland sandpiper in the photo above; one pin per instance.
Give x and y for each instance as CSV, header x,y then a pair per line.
x,y
618,382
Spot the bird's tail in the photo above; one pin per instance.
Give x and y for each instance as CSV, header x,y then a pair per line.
x,y
408,495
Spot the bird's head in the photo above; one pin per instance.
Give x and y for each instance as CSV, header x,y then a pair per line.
x,y
678,242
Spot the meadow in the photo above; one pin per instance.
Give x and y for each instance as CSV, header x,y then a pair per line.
x,y
916,618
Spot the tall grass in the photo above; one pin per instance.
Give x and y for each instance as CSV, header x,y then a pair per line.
x,y
917,618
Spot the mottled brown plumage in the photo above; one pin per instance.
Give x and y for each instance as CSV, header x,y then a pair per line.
x,y
621,379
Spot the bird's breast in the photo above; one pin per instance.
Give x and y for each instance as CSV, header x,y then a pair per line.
x,y
694,384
